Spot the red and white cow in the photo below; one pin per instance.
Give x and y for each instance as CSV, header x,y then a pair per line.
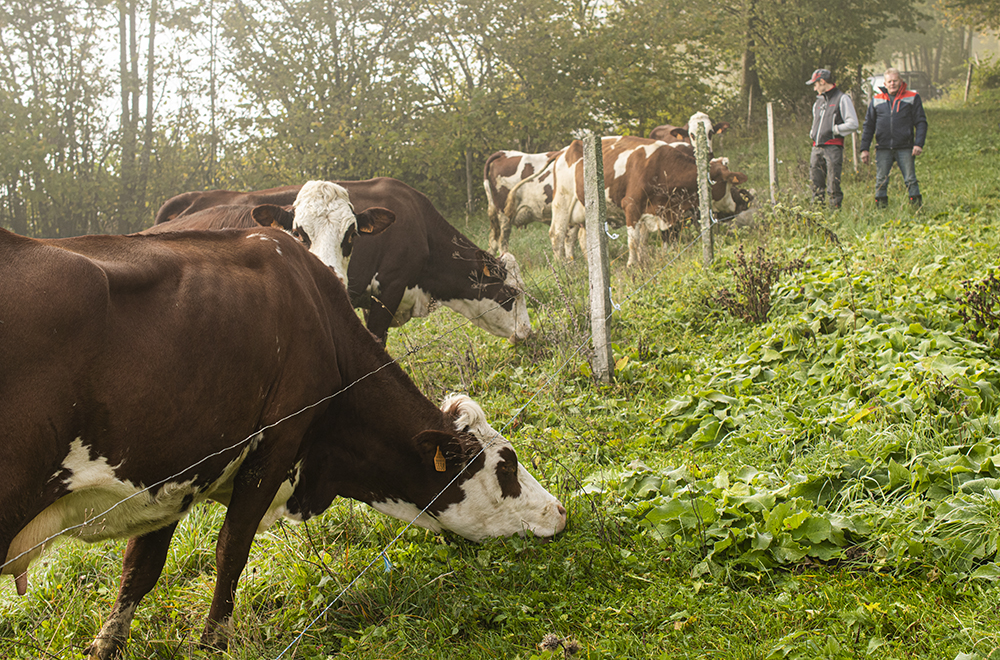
x,y
321,216
144,374
397,274
655,184
671,133
505,171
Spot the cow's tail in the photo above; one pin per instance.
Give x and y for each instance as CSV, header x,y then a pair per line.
x,y
511,205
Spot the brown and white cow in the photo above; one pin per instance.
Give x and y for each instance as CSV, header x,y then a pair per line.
x,y
654,183
421,259
671,133
144,374
321,216
531,201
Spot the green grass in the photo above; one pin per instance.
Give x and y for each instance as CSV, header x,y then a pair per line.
x,y
862,399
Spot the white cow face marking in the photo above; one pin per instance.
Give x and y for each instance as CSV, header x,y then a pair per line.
x,y
489,312
502,498
324,217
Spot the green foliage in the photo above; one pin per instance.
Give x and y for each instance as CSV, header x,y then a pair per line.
x,y
986,74
821,485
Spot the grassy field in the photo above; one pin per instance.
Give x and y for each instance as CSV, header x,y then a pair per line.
x,y
822,484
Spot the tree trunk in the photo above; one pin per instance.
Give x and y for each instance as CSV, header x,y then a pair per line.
x,y
126,37
147,148
750,92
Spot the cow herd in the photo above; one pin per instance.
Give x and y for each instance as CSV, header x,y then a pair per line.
x,y
652,182
144,374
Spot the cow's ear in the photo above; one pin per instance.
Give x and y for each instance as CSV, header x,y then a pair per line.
x,y
375,220
736,177
493,268
439,451
680,133
271,215
721,127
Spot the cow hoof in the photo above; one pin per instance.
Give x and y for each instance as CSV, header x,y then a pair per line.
x,y
104,648
215,637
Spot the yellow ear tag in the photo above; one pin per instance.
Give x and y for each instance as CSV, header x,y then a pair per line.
x,y
439,463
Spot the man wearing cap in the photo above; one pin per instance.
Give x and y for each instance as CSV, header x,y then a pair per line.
x,y
895,118
833,118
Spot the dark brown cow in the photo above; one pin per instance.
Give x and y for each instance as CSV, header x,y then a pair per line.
x,y
420,259
144,374
321,216
671,133
503,171
654,183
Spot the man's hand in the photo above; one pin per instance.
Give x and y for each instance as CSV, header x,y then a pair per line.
x,y
917,150
864,157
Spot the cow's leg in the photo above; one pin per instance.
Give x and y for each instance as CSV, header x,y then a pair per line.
x,y
253,491
495,230
382,311
141,568
505,224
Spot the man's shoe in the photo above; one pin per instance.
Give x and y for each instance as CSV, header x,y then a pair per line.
x,y
916,202
881,202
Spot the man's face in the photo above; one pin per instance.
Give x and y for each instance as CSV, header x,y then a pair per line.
x,y
892,82
821,86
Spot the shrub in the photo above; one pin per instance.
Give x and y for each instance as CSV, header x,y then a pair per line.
x,y
754,275
979,307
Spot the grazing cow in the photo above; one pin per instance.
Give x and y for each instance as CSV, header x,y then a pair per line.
x,y
670,133
533,203
144,374
320,216
655,184
420,259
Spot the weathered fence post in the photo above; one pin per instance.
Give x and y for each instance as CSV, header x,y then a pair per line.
x,y
968,82
772,163
704,196
597,256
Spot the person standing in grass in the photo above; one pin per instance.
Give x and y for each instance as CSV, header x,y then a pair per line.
x,y
896,120
833,118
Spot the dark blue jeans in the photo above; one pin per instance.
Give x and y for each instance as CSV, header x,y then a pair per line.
x,y
884,158
825,164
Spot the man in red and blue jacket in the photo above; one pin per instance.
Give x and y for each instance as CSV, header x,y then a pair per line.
x,y
896,120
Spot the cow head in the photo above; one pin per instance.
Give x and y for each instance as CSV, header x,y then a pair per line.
x,y
324,220
495,496
497,304
722,182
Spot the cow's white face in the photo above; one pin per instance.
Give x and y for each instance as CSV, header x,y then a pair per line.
x,y
490,314
325,221
501,499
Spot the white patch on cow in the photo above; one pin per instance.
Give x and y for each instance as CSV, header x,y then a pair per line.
x,y
416,303
266,238
484,512
323,210
408,512
102,506
700,118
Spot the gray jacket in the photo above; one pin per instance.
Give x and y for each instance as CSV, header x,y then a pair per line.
x,y
833,118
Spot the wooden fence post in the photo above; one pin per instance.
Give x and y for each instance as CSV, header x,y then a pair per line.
x,y
704,196
772,163
597,256
968,82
